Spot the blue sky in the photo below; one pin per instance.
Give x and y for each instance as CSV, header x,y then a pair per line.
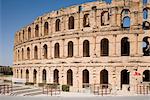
x,y
15,14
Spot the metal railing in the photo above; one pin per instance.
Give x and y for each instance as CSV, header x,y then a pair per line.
x,y
102,89
142,89
6,89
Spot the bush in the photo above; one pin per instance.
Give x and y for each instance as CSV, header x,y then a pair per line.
x,y
53,86
41,84
29,83
65,88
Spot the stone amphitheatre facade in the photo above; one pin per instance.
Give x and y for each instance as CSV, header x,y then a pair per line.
x,y
82,45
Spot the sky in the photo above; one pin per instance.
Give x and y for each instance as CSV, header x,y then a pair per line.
x,y
15,14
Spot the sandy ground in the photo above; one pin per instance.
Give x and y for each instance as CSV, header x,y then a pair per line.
x,y
74,98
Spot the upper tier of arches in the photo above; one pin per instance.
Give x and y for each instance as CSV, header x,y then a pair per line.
x,y
93,15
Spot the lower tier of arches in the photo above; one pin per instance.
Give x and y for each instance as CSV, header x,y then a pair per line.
x,y
79,77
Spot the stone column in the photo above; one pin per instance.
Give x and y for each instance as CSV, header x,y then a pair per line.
x,y
51,75
118,47
78,46
78,21
50,50
94,45
61,75
62,53
114,17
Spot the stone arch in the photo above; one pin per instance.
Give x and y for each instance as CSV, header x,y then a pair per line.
x,y
108,1
46,28
125,77
20,40
22,54
29,33
104,47
70,49
45,51
71,22
145,13
23,35
86,20
21,73
56,51
85,78
17,73
146,76
27,75
86,48
146,46
37,30
28,53
34,76
145,2
146,25
18,55
125,46
69,77
104,77
105,18
44,73
57,25
56,76
35,52
125,15
126,22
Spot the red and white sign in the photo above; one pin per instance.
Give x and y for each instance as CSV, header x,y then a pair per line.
x,y
136,73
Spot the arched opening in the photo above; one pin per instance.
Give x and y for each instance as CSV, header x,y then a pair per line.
x,y
104,47
56,50
22,54
29,33
21,73
46,28
23,35
28,53
18,55
126,22
146,25
27,75
86,20
105,18
17,73
125,77
36,30
145,2
44,76
56,76
145,13
70,49
34,76
45,51
71,22
146,46
85,78
20,40
57,25
69,77
125,47
104,77
108,1
146,76
86,48
35,52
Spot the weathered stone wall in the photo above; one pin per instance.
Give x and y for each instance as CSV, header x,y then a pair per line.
x,y
112,30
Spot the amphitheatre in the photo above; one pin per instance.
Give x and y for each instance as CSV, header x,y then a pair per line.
x,y
95,45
